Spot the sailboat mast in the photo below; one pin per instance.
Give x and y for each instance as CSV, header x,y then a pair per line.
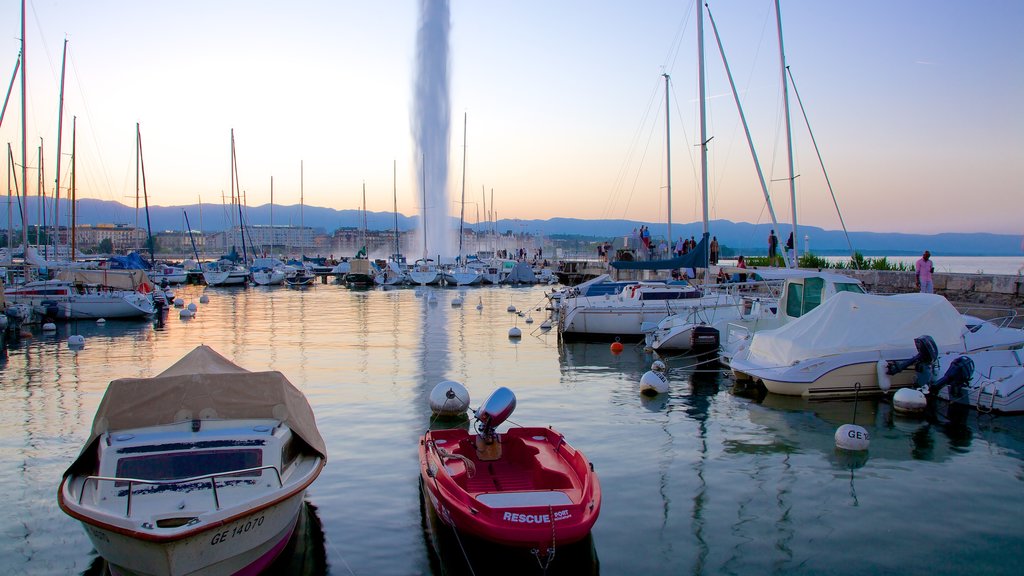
x,y
145,194
462,215
60,132
302,202
746,127
424,162
703,114
271,213
10,216
24,143
367,253
789,132
668,158
394,186
74,195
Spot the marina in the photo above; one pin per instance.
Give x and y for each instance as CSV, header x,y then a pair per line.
x,y
703,479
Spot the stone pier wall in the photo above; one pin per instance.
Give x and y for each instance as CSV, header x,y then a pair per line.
x,y
986,289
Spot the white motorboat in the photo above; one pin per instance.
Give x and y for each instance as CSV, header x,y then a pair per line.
x,y
268,272
71,300
843,344
465,276
996,383
199,470
755,306
392,273
424,271
172,274
623,315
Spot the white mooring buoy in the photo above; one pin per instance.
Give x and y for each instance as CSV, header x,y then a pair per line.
x,y
852,437
185,314
49,327
76,341
204,299
654,381
515,332
449,398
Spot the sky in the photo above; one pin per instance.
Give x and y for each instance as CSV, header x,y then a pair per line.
x,y
915,106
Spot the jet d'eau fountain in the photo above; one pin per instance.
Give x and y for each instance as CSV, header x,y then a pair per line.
x,y
431,126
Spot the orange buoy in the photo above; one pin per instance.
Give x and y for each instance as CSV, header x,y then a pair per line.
x,y
616,347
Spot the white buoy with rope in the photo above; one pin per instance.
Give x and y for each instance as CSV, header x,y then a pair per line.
x,y
449,398
49,327
76,342
186,314
480,304
457,301
204,299
851,436
655,380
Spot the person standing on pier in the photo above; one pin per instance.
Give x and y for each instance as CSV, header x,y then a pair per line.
x,y
924,268
773,247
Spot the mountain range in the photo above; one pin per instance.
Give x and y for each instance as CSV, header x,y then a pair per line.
x,y
740,236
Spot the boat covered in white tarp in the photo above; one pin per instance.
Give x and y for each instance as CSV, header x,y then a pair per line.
x,y
850,322
843,345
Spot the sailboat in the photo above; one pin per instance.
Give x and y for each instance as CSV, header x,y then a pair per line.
x,y
627,315
461,274
394,271
425,271
268,271
360,273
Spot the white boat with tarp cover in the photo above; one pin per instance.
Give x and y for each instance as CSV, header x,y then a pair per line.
x,y
201,469
87,294
841,346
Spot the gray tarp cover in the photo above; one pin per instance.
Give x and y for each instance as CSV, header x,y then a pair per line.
x,y
203,385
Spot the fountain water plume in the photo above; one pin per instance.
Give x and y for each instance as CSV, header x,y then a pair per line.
x,y
431,125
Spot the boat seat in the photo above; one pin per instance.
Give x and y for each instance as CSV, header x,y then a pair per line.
x,y
524,499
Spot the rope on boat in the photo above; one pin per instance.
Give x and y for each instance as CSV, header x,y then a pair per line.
x,y
465,556
338,553
445,455
550,556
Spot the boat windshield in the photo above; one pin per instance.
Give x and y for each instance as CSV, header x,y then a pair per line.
x,y
179,465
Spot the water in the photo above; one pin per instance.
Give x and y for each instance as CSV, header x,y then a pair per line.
x,y
699,481
1010,265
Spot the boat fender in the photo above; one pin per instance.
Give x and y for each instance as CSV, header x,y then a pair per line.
x,y
884,380
852,437
449,398
909,401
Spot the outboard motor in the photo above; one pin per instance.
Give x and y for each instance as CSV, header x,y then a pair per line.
x,y
957,377
927,353
495,410
49,309
704,339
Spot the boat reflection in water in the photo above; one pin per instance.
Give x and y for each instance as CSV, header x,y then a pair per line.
x,y
798,423
304,555
455,554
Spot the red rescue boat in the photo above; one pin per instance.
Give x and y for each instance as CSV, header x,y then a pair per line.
x,y
525,487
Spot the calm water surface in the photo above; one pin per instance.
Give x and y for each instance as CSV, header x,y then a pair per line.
x,y
699,481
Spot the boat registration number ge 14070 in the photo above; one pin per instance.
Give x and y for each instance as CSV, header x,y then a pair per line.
x,y
240,528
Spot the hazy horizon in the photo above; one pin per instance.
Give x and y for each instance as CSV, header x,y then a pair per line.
x,y
919,127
